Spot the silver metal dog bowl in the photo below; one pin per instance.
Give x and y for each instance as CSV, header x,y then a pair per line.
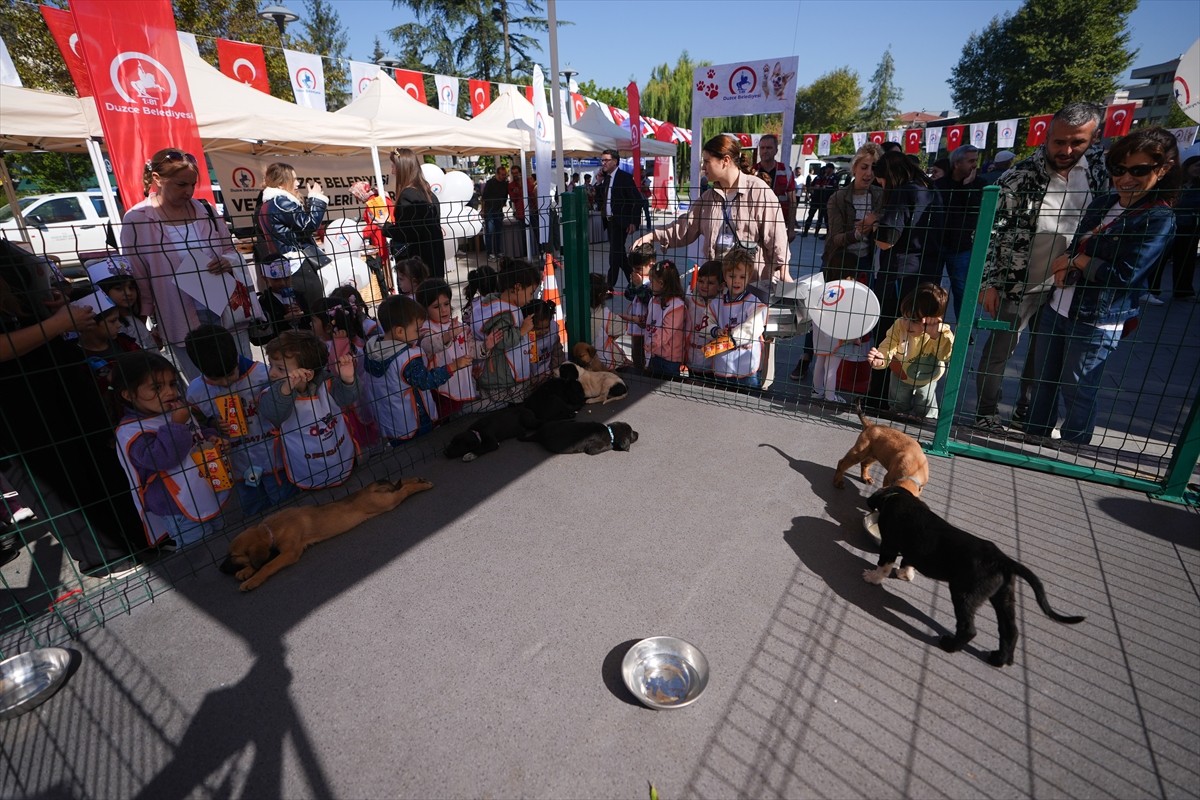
x,y
665,672
871,525
28,680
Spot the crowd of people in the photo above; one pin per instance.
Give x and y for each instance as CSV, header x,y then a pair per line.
x,y
178,420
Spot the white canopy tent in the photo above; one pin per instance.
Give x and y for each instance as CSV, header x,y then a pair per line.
x,y
595,123
395,119
512,112
34,120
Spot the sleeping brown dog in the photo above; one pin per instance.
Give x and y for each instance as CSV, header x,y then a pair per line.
x,y
260,551
898,452
585,356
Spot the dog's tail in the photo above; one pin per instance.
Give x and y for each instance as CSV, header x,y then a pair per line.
x,y
858,409
1040,593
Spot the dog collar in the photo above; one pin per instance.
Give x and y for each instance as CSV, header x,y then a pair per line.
x,y
612,440
478,438
915,481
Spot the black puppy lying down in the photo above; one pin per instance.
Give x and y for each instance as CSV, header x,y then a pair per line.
x,y
486,433
555,398
583,437
975,568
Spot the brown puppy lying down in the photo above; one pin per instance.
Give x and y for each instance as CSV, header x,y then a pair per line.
x,y
289,532
898,452
584,355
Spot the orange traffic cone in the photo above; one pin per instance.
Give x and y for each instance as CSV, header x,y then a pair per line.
x,y
550,292
695,274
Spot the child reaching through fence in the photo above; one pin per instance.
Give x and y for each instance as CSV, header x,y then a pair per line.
x,y
445,340
916,349
177,469
666,320
498,323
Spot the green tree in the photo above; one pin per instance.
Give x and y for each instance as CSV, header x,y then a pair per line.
x,y
237,20
830,103
614,96
377,52
323,34
523,44
984,82
33,50
883,99
1049,53
668,96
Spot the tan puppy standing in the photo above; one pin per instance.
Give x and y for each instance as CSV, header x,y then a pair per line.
x,y
293,530
900,454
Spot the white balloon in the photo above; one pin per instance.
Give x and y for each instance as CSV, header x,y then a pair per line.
x,y
457,187
434,177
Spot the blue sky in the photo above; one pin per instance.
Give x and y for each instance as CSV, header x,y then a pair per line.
x,y
615,41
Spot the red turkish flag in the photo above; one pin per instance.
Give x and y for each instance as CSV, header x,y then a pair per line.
x,y
1118,118
132,54
481,95
878,137
580,105
837,137
912,140
954,137
529,93
618,115
665,132
244,62
412,82
635,129
809,144
1038,128
62,27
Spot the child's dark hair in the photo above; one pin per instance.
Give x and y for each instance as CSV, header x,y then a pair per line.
x,y
712,269
399,311
338,315
599,289
430,290
304,346
482,281
927,300
517,272
641,256
541,311
130,370
668,273
414,268
353,298
212,349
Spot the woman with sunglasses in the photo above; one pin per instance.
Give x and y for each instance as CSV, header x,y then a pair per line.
x,y
169,234
1100,281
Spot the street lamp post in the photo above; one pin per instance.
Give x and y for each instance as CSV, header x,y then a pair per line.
x,y
279,14
569,72
390,62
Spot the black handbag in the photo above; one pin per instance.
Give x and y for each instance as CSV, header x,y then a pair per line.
x,y
313,255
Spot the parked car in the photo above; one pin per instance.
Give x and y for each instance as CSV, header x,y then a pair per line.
x,y
61,224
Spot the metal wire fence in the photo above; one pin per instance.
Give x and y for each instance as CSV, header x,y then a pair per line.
x,y
930,371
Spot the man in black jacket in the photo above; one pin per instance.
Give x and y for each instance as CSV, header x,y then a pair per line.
x,y
619,202
492,200
962,195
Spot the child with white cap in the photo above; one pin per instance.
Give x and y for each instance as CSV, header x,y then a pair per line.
x,y
284,307
104,341
113,275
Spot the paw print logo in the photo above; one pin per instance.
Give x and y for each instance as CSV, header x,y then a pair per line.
x,y
699,86
711,91
712,73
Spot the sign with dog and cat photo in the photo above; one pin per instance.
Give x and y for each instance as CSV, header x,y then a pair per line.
x,y
766,86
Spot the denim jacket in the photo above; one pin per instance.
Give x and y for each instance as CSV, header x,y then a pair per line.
x,y
290,223
1122,258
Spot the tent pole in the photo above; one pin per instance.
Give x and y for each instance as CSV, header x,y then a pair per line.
x,y
378,170
529,232
106,191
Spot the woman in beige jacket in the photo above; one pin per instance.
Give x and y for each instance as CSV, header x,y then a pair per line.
x,y
737,210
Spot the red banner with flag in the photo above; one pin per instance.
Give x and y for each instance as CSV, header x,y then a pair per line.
x,y
481,96
132,54
878,137
580,105
244,62
618,116
529,93
912,141
635,130
412,82
1117,119
62,27
1039,127
954,137
808,145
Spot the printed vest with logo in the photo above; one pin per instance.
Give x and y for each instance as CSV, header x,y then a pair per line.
x,y
250,442
461,385
318,450
744,359
395,401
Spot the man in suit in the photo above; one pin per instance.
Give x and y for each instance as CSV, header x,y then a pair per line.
x,y
619,202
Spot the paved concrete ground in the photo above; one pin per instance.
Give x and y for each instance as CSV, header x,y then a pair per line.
x,y
467,644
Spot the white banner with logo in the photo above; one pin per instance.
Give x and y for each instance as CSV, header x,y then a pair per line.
x,y
1185,136
308,79
896,136
860,138
933,140
361,75
543,150
8,70
979,131
823,143
447,89
766,86
1006,133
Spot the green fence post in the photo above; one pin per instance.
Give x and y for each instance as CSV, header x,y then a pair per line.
x,y
577,286
1183,461
966,322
